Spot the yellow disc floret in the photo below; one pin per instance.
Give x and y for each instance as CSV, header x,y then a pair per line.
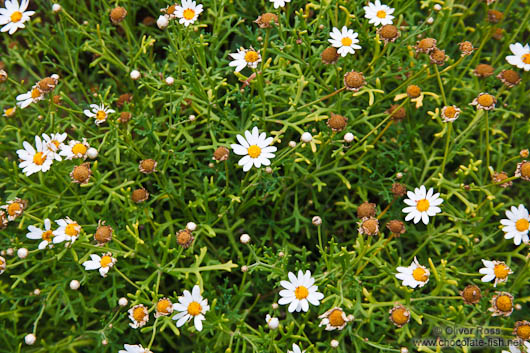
x,y
422,205
254,151
194,308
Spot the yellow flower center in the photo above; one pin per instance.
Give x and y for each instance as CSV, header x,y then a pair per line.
x,y
72,230
47,235
400,316
139,313
163,306
523,332
301,292
501,271
35,93
105,261
335,318
504,303
526,58
56,143
9,111
79,148
39,158
485,100
346,41
251,56
420,274
381,14
101,115
188,14
254,151
522,225
194,308
16,16
13,208
422,205
450,112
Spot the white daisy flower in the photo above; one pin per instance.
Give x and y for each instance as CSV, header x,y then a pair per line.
x,y
495,270
255,149
296,349
33,96
14,15
378,14
346,40
138,315
422,204
517,225
299,292
191,305
36,159
68,230
279,3
245,57
46,235
54,143
413,276
137,348
188,12
102,263
75,149
99,112
520,57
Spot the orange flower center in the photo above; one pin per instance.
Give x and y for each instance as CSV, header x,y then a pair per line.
x,y
420,274
105,261
188,14
139,313
522,225
523,332
72,229
16,16
254,151
301,292
485,100
346,41
504,303
422,205
251,56
526,58
501,271
381,14
335,318
56,143
9,111
79,148
101,115
39,158
163,306
450,112
35,93
13,208
400,316
47,235
170,10
194,308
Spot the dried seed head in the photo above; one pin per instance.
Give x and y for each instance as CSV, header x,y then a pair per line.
x,y
81,174
354,81
413,91
103,233
438,56
426,45
509,77
398,190
466,48
483,70
221,154
523,170
329,55
399,315
139,195
124,117
484,101
499,177
498,33
184,238
56,99
388,33
266,20
148,21
396,227
147,166
366,209
117,14
3,76
501,304
522,330
47,84
398,113
369,226
471,294
450,113
124,98
337,122
494,16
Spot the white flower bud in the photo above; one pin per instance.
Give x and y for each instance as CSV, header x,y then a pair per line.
x,y
74,284
10,251
192,117
22,253
36,291
104,342
135,74
56,8
244,268
123,301
268,170
316,221
399,175
348,137
170,80
292,144
334,343
191,226
272,322
281,254
275,306
30,339
306,137
244,238
437,7
430,20
92,153
404,350
162,22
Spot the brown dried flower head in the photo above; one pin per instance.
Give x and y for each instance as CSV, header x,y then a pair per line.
x,y
56,99
399,190
438,57
14,208
337,122
369,226
366,209
398,113
221,154
388,33
498,33
266,20
139,195
501,304
147,166
498,177
396,227
523,170
426,45
117,14
124,117
354,80
124,98
494,16
483,70
471,294
466,48
399,315
510,78
47,84
184,238
329,55
81,173
413,91
103,233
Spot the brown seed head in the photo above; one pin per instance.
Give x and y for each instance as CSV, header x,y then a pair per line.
x,y
471,294
366,209
139,195
184,238
329,55
398,190
413,91
148,166
221,154
117,14
47,84
124,98
509,77
389,33
498,33
495,16
523,170
337,122
266,20
522,330
56,99
483,70
524,153
499,177
124,117
466,48
103,233
426,45
148,21
398,113
369,226
399,315
438,56
396,227
81,174
354,81
486,100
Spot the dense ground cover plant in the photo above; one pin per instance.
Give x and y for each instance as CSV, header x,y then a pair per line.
x,y
267,177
